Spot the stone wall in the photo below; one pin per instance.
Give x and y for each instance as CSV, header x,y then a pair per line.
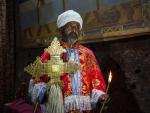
x,y
129,60
7,59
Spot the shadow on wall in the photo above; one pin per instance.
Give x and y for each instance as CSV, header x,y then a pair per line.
x,y
121,99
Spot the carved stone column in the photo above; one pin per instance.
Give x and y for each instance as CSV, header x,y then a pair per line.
x,y
7,59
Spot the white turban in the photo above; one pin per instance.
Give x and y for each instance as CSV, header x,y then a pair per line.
x,y
69,16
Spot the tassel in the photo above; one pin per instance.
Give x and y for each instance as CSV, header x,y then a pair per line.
x,y
55,100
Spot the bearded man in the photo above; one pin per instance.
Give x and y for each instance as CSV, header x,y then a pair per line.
x,y
84,88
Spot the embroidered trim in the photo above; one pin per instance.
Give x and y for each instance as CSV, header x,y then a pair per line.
x,y
95,95
77,102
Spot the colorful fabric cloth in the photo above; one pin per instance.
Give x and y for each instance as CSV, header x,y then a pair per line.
x,y
76,78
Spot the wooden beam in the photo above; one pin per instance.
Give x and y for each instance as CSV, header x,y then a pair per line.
x,y
97,4
116,35
64,5
38,13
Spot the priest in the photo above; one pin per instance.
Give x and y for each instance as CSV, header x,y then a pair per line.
x,y
85,87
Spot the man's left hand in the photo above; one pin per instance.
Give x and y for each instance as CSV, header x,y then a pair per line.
x,y
103,97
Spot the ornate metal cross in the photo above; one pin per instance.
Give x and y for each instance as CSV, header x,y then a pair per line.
x,y
54,67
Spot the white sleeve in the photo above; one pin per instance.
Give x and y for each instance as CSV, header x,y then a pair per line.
x,y
36,91
31,86
95,95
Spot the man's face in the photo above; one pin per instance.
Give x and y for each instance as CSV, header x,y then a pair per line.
x,y
72,27
71,32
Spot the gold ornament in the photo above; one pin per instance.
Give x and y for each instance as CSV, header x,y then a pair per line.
x,y
54,67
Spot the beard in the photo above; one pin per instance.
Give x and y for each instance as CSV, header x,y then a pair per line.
x,y
71,38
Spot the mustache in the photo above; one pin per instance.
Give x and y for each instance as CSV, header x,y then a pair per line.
x,y
72,38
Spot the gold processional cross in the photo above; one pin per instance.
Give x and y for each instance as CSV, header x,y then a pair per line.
x,y
54,67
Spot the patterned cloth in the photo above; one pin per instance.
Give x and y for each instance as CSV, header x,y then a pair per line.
x,y
91,83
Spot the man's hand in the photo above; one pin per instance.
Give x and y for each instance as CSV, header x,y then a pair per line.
x,y
103,97
73,66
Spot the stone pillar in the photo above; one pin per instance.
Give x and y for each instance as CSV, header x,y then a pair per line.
x,y
7,47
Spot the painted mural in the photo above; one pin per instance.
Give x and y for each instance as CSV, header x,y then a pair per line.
x,y
101,21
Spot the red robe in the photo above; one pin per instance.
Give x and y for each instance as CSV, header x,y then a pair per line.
x,y
91,76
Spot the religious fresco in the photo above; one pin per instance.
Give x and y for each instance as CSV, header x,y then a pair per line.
x,y
100,24
116,21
